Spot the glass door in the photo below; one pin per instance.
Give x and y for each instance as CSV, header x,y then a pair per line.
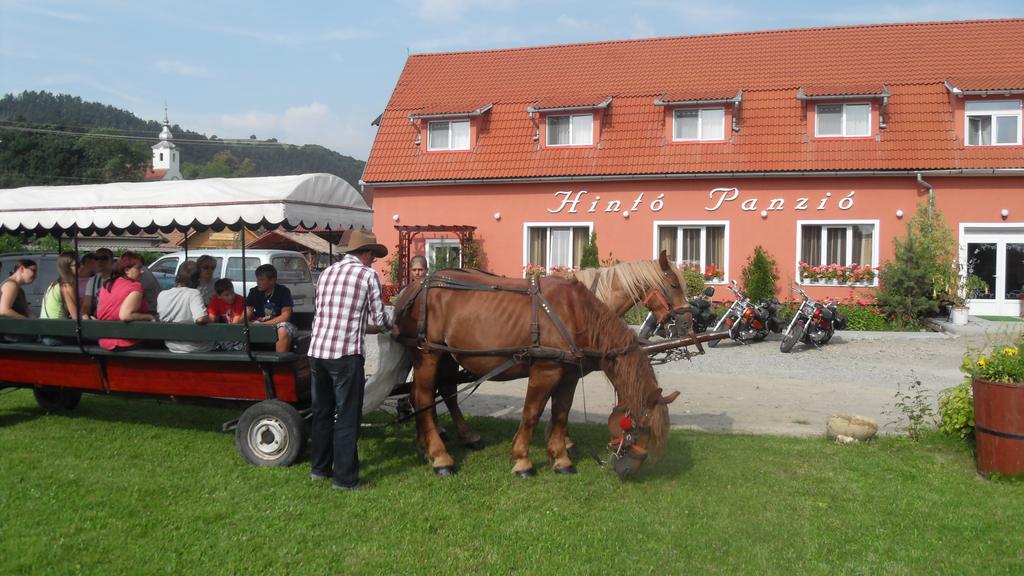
x,y
995,253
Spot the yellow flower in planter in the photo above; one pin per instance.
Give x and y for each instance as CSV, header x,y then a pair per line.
x,y
1001,364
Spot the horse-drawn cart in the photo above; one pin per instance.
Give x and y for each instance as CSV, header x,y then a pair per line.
x,y
273,387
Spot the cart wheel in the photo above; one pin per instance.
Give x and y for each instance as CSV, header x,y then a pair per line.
x,y
270,433
53,399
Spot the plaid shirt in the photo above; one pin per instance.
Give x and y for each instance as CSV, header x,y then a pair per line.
x,y
345,293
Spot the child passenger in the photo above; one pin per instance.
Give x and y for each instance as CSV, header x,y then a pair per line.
x,y
225,306
271,303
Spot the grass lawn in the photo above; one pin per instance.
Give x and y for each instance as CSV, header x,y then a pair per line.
x,y
136,486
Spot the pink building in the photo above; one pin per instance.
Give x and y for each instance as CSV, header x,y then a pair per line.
x,y
817,144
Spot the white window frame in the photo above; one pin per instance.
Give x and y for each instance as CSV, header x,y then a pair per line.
x,y
430,144
547,130
825,225
703,225
432,243
700,125
843,129
1008,111
549,225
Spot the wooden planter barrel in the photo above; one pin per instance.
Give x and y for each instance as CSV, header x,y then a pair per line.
x,y
999,427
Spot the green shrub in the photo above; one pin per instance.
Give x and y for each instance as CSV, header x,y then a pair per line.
x,y
694,282
635,315
956,410
866,317
920,272
760,275
589,258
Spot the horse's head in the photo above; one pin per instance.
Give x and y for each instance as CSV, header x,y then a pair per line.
x,y
668,300
635,432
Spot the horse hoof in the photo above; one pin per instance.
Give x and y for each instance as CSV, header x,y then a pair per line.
x,y
474,444
570,469
445,471
528,473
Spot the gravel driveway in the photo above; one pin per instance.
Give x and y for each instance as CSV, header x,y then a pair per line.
x,y
756,389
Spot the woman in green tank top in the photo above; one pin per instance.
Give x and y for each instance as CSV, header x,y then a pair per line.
x,y
60,299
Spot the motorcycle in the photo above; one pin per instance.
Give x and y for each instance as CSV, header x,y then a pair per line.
x,y
814,323
747,321
700,309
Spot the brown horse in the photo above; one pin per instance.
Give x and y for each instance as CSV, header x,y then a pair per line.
x,y
656,284
483,327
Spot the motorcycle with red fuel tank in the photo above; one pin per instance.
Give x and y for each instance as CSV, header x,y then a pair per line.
x,y
746,321
814,323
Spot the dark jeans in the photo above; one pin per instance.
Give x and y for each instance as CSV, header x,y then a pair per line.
x,y
337,414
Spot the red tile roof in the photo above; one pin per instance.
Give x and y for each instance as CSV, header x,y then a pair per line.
x,y
912,60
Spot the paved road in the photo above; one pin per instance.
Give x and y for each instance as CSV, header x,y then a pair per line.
x,y
756,389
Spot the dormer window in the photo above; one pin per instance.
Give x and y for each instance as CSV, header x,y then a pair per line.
x,y
689,124
842,120
570,130
448,135
845,111
992,122
454,129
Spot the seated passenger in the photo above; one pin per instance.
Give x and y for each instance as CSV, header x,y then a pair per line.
x,y
183,304
271,303
87,268
207,269
121,299
13,303
59,300
225,306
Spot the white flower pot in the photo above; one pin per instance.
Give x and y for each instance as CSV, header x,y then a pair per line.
x,y
958,315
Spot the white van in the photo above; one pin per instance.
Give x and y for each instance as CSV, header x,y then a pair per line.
x,y
292,271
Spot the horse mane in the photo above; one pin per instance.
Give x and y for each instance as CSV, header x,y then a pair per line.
x,y
631,371
635,277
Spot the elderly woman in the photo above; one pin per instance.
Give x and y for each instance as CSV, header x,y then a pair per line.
x,y
121,298
207,266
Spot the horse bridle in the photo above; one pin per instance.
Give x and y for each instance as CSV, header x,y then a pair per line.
x,y
660,295
626,454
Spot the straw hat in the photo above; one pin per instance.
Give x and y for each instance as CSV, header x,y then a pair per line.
x,y
361,240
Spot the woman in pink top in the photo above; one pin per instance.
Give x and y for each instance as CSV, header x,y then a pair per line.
x,y
121,299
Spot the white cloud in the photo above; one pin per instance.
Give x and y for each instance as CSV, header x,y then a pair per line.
x,y
57,14
452,10
313,123
642,28
182,69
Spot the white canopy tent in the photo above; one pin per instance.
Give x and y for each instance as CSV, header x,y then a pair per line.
x,y
308,200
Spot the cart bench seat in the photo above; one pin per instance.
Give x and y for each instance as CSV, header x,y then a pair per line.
x,y
153,370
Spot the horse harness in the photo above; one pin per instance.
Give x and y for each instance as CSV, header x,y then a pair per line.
x,y
535,351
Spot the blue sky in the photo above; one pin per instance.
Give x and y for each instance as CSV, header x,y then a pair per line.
x,y
319,72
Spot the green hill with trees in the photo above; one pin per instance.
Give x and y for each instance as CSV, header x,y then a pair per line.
x,y
51,139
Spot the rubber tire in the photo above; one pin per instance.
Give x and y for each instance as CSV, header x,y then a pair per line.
x,y
790,340
723,322
53,399
283,424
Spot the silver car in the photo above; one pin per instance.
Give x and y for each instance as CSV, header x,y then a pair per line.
x,y
292,271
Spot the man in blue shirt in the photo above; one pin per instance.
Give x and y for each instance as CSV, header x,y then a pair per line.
x,y
271,303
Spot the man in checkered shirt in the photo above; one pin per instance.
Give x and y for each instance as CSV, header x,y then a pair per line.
x,y
348,294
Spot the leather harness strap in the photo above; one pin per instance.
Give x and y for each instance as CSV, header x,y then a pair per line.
x,y
534,351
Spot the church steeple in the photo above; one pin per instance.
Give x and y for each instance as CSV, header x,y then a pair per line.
x,y
165,153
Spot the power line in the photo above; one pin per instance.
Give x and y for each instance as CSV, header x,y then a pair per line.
x,y
218,142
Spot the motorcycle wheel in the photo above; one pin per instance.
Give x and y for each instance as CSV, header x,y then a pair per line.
x,y
648,327
726,321
828,335
792,337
